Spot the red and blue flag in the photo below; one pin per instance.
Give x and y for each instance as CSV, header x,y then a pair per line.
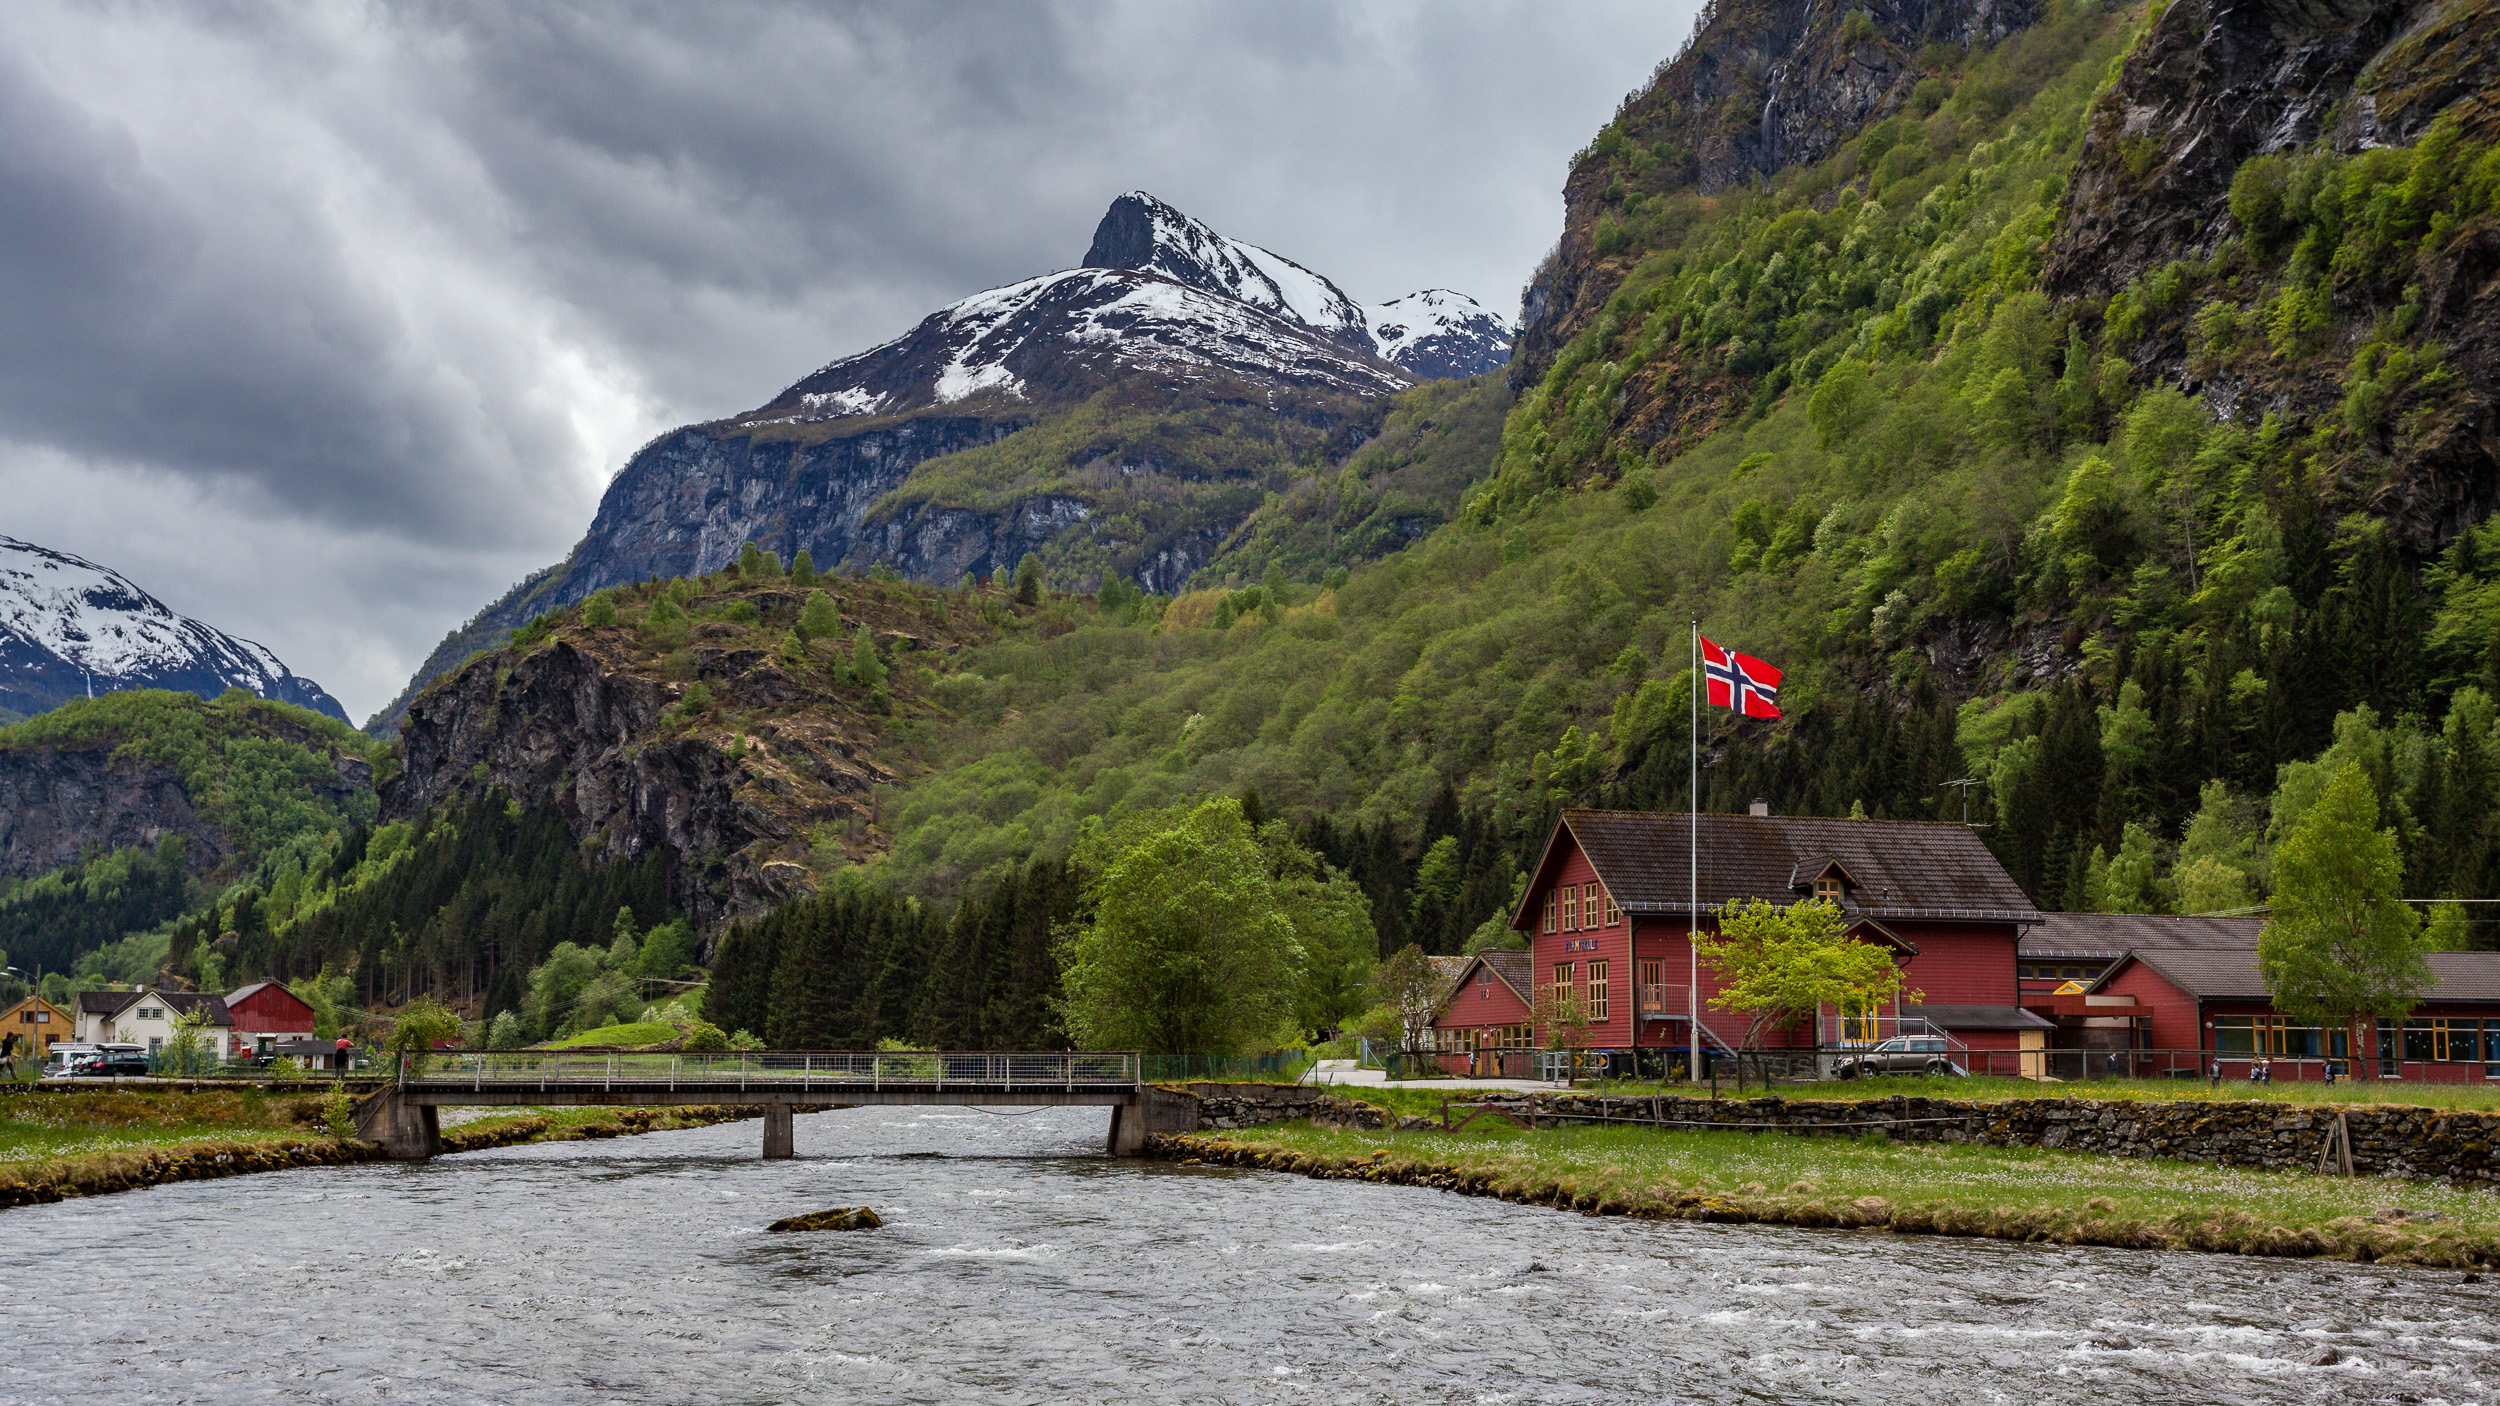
x,y
1740,682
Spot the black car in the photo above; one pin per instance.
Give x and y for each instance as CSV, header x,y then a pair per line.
x,y
108,1062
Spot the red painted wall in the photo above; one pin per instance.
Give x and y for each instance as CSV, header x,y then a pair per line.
x,y
1586,943
1489,1001
2176,1024
272,1010
1963,964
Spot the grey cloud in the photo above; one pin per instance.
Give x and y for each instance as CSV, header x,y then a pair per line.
x,y
417,277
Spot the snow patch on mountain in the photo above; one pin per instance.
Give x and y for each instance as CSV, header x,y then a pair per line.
x,y
69,626
1438,325
1141,232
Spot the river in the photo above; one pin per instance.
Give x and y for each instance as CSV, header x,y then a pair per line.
x,y
1019,1265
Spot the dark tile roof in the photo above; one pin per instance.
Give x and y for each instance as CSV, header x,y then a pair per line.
x,y
2112,935
1514,968
189,1001
2230,974
1980,1017
104,1002
1517,969
1903,868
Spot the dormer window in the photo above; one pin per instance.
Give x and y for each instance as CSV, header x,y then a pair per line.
x,y
1829,889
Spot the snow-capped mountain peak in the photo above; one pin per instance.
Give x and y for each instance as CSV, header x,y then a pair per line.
x,y
69,627
1439,333
1141,232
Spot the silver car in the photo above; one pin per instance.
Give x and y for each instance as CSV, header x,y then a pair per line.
x,y
1902,1054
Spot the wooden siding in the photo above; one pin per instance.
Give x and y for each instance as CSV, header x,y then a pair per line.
x,y
1961,964
2177,1023
1485,999
272,1010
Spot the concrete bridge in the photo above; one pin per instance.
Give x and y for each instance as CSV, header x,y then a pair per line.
x,y
402,1117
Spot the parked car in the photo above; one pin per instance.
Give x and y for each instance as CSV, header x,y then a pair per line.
x,y
1902,1054
101,1061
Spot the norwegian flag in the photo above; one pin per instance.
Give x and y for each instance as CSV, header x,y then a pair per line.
x,y
1740,682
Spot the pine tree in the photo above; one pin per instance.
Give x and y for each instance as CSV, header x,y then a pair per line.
x,y
1029,580
818,617
802,569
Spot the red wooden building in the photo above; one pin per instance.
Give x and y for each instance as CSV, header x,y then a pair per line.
x,y
2214,999
1608,909
265,1013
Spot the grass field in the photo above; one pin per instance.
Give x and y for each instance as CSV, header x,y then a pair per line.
x,y
2479,1097
2009,1193
39,1127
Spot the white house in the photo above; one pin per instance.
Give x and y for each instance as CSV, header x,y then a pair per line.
x,y
146,1017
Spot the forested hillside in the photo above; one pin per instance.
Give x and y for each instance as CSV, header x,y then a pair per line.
x,y
1840,417
119,812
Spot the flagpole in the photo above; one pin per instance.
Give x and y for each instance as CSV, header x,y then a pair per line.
x,y
1692,853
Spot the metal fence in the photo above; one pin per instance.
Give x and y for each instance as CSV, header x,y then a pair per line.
x,y
1172,1068
875,1068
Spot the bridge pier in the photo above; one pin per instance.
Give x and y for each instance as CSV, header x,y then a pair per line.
x,y
1153,1110
409,1132
780,1132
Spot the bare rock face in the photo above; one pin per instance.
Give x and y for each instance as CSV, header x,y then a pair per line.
x,y
557,726
57,806
2220,81
1762,86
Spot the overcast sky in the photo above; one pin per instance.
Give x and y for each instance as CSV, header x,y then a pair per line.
x,y
325,323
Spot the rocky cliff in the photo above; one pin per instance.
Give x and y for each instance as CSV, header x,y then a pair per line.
x,y
1762,85
130,769
746,753
57,807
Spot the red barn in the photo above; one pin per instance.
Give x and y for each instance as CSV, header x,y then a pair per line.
x,y
265,1013
1609,906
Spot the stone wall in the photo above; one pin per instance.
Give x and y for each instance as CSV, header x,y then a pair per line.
x,y
2394,1140
1223,1106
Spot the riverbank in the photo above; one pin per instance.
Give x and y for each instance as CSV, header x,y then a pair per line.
x,y
96,1143
2021,1194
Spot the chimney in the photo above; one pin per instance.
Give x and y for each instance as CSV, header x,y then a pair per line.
x,y
1759,807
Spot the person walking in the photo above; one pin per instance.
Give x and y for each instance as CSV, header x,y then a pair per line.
x,y
338,1062
8,1055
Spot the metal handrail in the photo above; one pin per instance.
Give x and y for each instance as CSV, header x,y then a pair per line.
x,y
875,1068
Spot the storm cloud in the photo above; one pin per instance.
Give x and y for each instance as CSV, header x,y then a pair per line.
x,y
327,322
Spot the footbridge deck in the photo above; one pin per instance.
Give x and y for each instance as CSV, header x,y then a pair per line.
x,y
402,1116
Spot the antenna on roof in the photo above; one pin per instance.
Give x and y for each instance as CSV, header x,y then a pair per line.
x,y
1963,786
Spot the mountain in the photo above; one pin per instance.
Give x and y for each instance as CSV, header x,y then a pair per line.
x,y
1124,418
70,628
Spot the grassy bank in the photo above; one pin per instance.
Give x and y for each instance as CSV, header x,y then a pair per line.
x,y
1911,1188
93,1142
1425,1095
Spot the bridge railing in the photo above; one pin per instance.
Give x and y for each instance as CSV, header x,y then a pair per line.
x,y
873,1068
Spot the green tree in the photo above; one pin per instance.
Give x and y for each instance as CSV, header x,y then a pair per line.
x,y
600,612
2341,947
818,617
424,1021
186,1051
1406,985
867,670
802,568
1187,951
1029,580
504,1032
1781,964
1331,919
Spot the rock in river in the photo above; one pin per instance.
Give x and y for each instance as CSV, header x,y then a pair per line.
x,y
839,1218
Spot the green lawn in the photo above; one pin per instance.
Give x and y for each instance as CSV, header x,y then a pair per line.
x,y
2015,1193
2479,1096
37,1127
642,1032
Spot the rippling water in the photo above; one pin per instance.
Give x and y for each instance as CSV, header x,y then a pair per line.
x,y
1018,1265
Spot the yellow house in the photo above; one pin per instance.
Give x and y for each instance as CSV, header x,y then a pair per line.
x,y
38,1025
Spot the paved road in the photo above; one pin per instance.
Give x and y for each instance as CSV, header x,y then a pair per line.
x,y
1342,1071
